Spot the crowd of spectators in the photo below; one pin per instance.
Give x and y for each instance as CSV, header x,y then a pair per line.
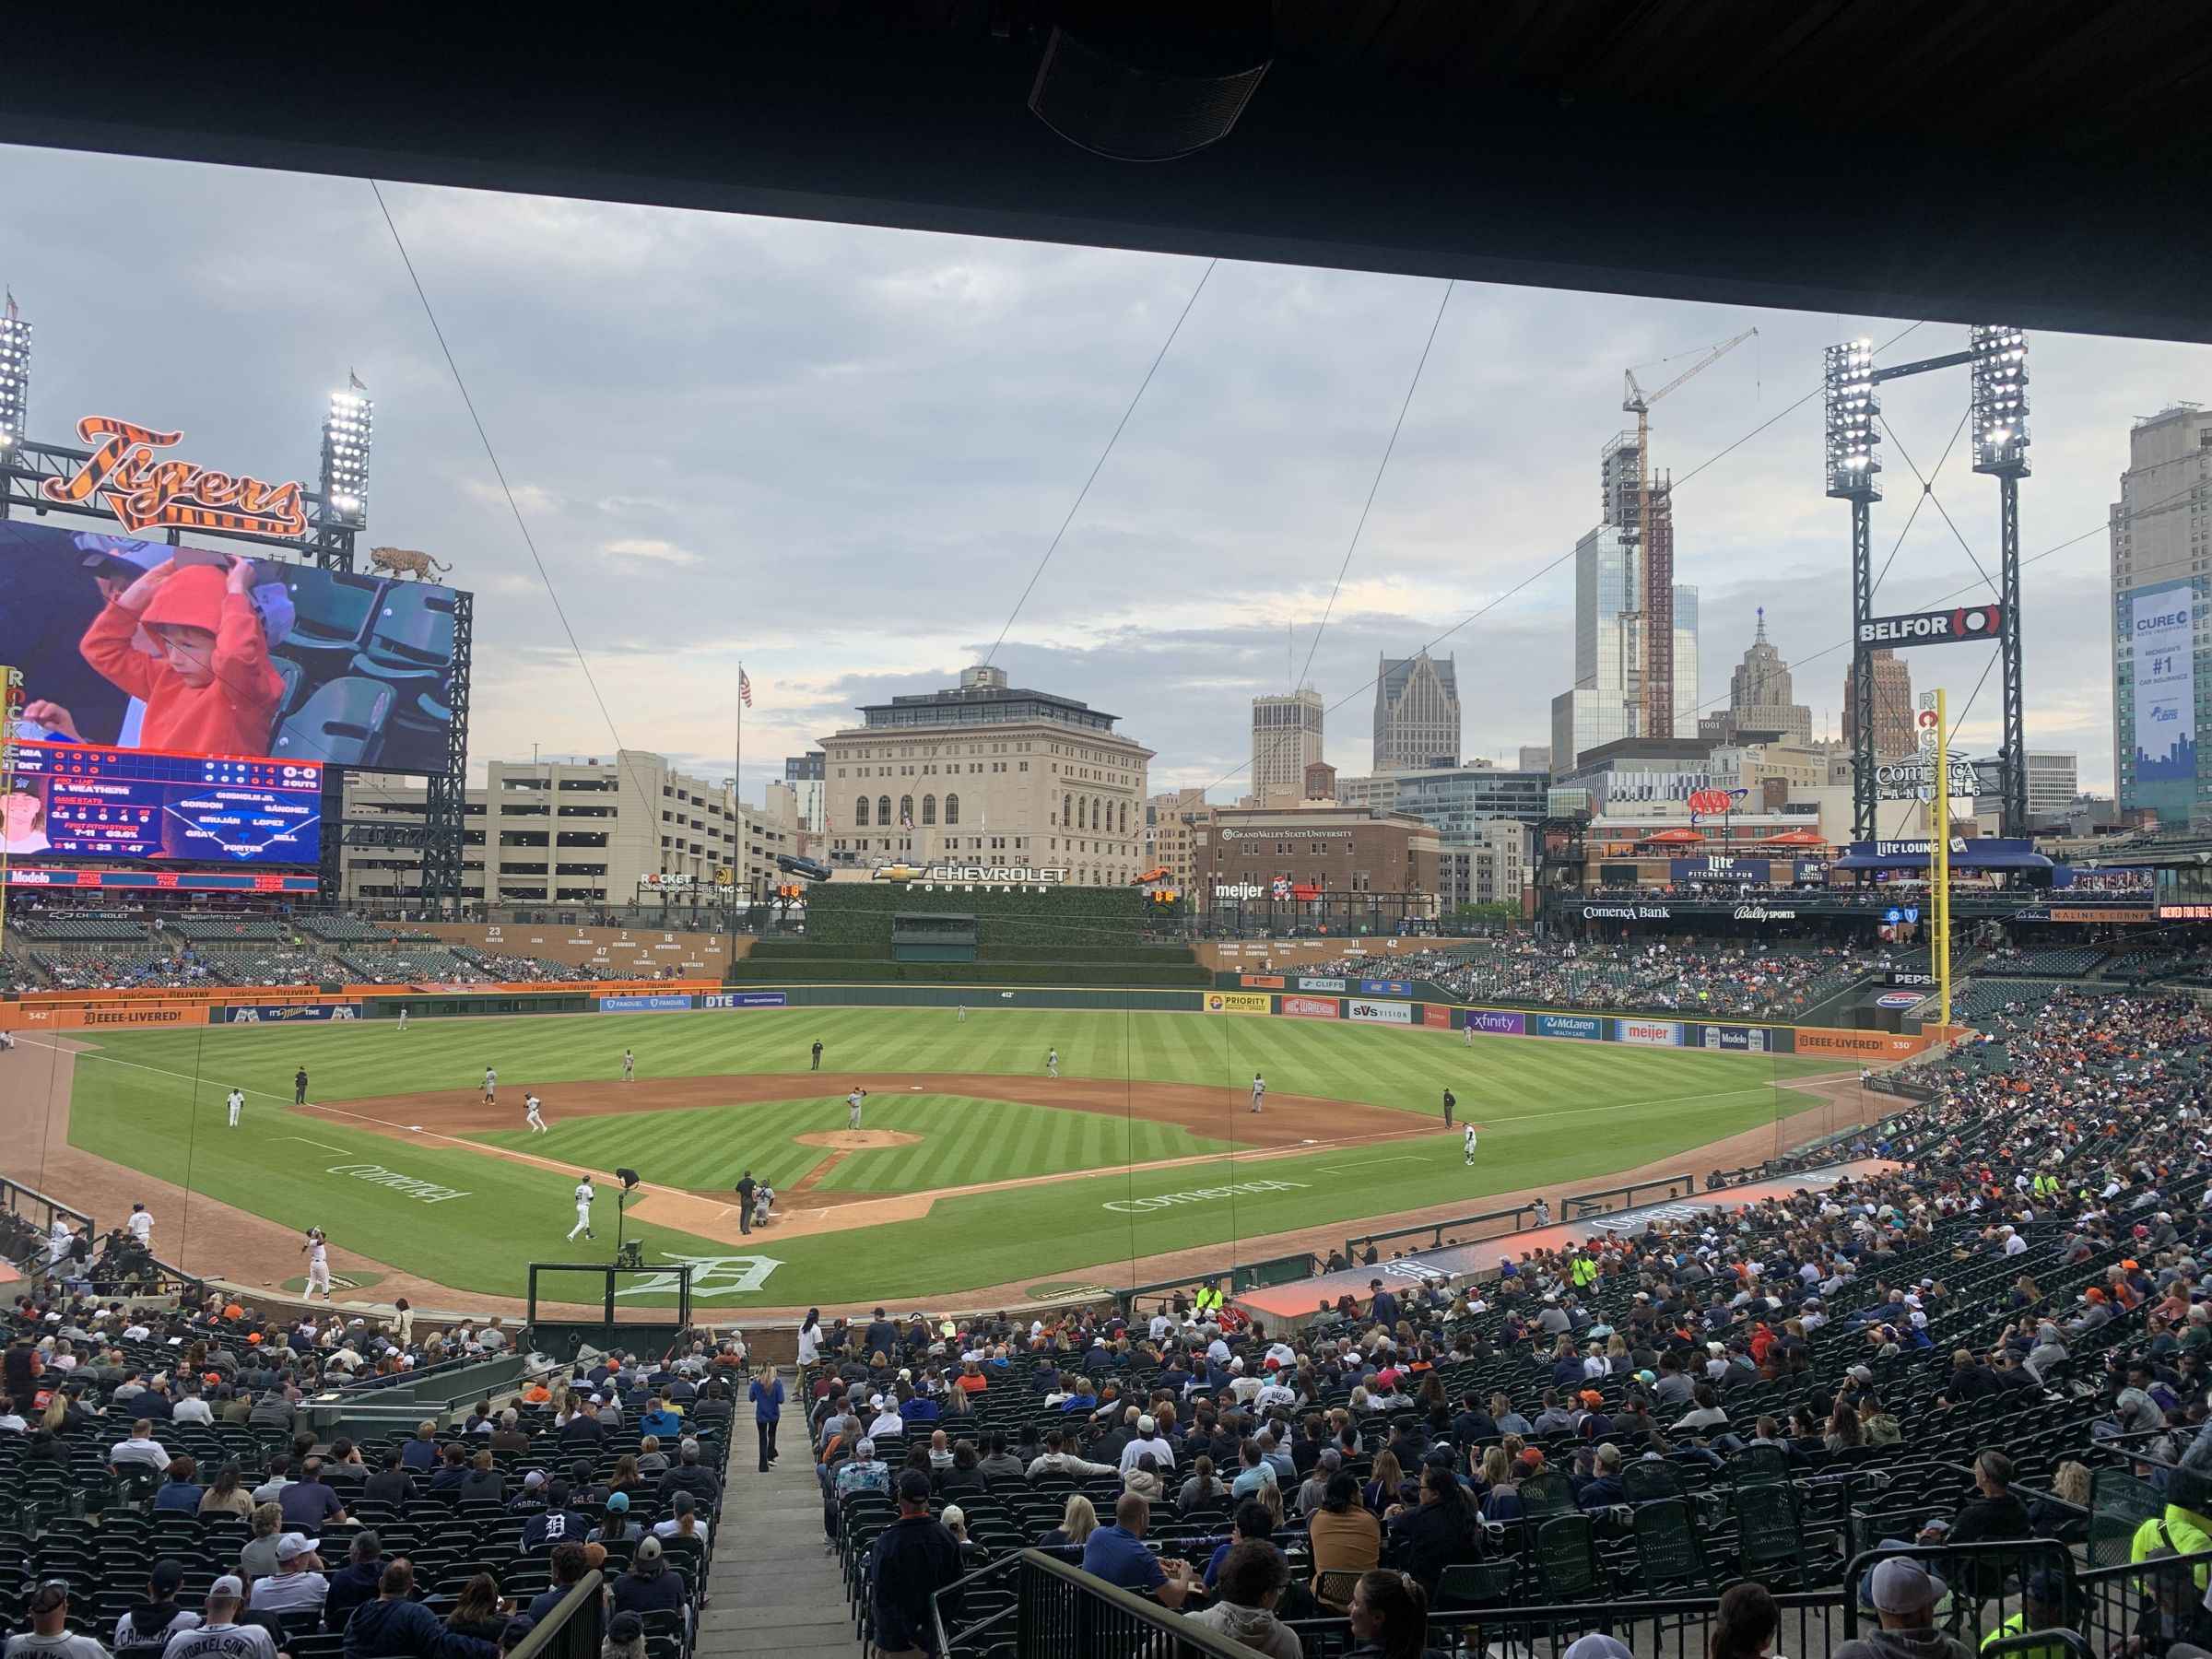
x,y
2015,1288
1744,980
450,1543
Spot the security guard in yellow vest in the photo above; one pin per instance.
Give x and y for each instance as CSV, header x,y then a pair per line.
x,y
1583,1272
2044,1606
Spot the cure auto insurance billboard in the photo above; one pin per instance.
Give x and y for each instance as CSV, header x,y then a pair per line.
x,y
131,644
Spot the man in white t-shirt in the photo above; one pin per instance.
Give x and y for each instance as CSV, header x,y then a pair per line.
x,y
140,1448
48,1605
220,1636
142,1225
583,1211
190,1407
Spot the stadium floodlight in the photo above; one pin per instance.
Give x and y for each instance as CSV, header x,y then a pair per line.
x,y
2000,405
15,378
345,436
1854,423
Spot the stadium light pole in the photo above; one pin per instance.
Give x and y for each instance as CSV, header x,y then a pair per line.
x,y
14,383
1999,370
1853,430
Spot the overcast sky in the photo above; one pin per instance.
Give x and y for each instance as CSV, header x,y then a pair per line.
x,y
839,453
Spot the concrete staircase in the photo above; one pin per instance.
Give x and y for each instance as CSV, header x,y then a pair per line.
x,y
771,1589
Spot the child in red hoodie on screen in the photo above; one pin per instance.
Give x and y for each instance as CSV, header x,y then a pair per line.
x,y
212,691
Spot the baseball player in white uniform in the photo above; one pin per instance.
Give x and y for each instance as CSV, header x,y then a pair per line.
x,y
1468,1027
142,1225
1259,1091
1052,1062
238,1104
530,1121
1470,1138
318,1263
583,1210
629,1066
852,1102
403,1019
491,1085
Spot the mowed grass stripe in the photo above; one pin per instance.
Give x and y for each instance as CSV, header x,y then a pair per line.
x,y
964,1142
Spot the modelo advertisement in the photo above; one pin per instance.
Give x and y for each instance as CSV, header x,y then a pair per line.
x,y
1741,1040
641,1004
1652,1033
744,999
1584,1027
1379,1013
184,651
1310,1008
288,1013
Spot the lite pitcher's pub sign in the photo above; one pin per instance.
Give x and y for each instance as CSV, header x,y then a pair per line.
x,y
146,494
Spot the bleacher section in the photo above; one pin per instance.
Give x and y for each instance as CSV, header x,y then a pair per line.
x,y
2069,962
1057,935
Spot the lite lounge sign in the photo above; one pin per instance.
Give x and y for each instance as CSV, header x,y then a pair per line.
x,y
148,494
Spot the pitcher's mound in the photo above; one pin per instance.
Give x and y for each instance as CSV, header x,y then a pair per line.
x,y
857,1140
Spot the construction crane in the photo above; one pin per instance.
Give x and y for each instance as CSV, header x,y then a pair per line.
x,y
1655,618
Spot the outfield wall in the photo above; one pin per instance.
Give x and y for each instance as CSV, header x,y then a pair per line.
x,y
1394,1003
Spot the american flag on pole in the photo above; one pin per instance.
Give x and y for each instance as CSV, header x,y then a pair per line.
x,y
744,686
354,380
906,820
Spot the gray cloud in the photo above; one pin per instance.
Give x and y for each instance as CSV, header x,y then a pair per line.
x,y
839,453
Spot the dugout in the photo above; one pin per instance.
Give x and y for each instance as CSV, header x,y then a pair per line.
x,y
932,937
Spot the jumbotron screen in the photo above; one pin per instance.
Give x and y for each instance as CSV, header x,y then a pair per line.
x,y
72,800
184,651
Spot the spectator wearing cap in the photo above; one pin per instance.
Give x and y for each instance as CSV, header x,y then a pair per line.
x,y
298,1584
862,1472
1148,1441
615,1525
1604,1490
1315,1487
650,1585
220,1635
1904,1597
625,1638
683,1520
531,1498
1383,1309
555,1524
158,1615
396,1626
911,1560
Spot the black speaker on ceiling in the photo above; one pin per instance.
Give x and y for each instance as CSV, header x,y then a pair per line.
x,y
1140,80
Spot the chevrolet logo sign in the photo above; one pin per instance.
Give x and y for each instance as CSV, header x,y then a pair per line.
x,y
896,872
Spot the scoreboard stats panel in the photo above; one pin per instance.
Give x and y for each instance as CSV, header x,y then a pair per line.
x,y
143,804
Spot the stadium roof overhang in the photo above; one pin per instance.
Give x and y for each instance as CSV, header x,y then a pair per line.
x,y
2030,161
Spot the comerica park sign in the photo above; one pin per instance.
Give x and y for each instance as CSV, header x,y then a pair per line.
x,y
1907,779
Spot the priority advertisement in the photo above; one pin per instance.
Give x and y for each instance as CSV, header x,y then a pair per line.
x,y
1236,1002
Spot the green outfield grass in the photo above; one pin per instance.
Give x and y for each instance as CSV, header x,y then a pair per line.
x,y
1554,1111
965,1141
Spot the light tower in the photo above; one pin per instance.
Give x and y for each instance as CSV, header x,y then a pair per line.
x,y
342,500
1854,476
2000,416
